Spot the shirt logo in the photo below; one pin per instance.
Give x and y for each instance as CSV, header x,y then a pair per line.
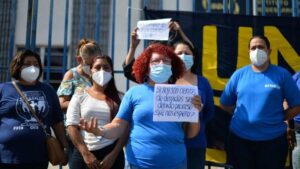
x,y
274,86
39,104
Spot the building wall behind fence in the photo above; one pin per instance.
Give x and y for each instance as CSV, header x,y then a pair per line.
x,y
113,40
89,25
5,10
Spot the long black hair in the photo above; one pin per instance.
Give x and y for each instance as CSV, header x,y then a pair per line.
x,y
111,92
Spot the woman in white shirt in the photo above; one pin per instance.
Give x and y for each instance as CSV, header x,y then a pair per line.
x,y
102,100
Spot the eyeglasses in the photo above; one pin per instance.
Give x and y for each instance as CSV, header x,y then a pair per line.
x,y
166,61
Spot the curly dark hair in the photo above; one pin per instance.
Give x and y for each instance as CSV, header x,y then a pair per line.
x,y
141,65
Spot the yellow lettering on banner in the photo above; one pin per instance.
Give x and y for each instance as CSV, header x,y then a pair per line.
x,y
280,44
217,100
209,58
245,33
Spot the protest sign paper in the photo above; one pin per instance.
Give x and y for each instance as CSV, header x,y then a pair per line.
x,y
154,29
174,103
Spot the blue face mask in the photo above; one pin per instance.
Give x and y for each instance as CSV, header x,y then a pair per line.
x,y
160,73
187,60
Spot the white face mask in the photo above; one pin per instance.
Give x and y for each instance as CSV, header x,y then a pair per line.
x,y
258,57
86,69
187,60
30,74
102,77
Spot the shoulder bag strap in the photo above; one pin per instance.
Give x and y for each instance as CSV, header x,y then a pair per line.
x,y
29,107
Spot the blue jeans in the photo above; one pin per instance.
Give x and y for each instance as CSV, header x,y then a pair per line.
x,y
248,154
296,152
196,158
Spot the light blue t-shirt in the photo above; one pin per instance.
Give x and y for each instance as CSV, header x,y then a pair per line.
x,y
296,78
151,144
259,97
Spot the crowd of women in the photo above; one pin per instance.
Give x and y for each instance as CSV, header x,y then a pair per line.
x,y
102,122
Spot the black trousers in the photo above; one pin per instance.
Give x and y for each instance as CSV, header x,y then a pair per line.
x,y
77,161
248,154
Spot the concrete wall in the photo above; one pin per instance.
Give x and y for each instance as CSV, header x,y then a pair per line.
x,y
121,29
43,22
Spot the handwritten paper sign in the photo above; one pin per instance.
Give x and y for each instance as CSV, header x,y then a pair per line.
x,y
157,29
174,103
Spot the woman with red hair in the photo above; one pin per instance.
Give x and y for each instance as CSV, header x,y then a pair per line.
x,y
151,144
151,58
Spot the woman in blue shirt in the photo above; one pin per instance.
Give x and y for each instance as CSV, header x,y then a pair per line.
x,y
196,146
296,150
22,140
151,144
254,94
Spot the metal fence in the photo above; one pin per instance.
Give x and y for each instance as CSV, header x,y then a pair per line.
x,y
101,24
9,9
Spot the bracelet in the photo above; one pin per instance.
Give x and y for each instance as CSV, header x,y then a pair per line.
x,y
103,131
